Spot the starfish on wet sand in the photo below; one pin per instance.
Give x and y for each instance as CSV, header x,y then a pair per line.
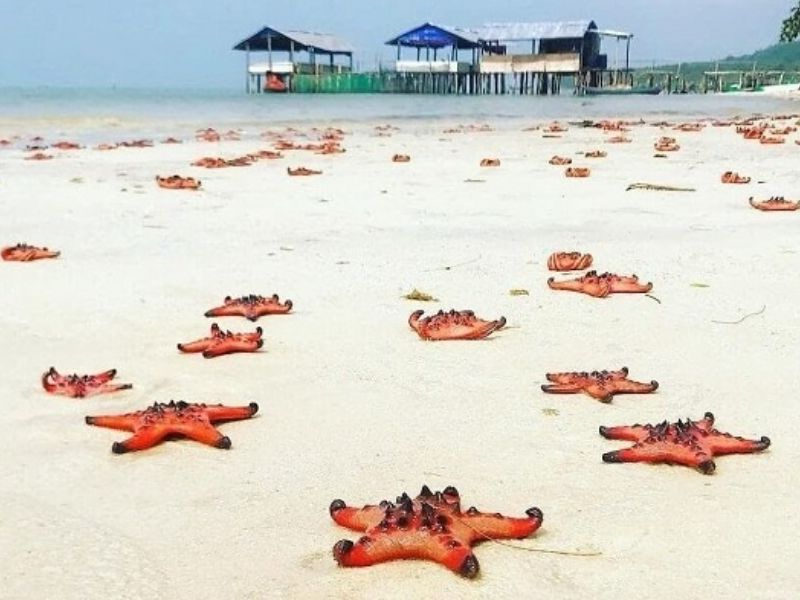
x,y
251,307
600,385
81,386
453,325
428,527
224,342
160,421
689,443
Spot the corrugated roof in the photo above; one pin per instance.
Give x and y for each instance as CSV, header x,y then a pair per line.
x,y
303,40
520,32
429,35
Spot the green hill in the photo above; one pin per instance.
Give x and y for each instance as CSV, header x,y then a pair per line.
x,y
779,57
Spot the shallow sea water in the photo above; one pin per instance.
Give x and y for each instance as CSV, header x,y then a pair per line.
x,y
141,110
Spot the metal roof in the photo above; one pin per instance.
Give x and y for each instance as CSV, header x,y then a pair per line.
x,y
520,32
429,35
303,41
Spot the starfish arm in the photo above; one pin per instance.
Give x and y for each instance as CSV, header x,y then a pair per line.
x,y
196,346
484,526
664,451
599,391
229,346
561,388
227,310
103,377
629,287
399,544
625,386
570,286
567,377
415,322
109,388
724,443
357,519
51,380
203,432
632,433
231,413
121,422
144,438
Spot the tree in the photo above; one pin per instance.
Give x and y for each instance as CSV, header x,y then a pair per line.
x,y
791,25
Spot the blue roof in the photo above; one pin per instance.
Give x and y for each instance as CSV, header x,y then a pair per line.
x,y
429,35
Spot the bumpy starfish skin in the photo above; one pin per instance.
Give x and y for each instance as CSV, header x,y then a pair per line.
x,y
429,527
251,307
775,204
689,443
81,386
602,285
453,325
26,253
224,342
601,385
569,261
154,424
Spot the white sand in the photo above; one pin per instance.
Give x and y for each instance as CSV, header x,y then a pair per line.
x,y
355,406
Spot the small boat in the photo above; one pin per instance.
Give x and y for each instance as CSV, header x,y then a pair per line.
x,y
274,84
622,90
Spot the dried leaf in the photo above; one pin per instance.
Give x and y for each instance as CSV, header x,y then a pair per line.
x,y
519,292
415,294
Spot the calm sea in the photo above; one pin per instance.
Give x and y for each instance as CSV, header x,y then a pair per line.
x,y
155,110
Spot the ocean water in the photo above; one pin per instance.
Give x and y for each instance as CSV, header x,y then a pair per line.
x,y
145,110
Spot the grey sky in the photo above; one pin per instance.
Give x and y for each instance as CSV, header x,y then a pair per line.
x,y
188,42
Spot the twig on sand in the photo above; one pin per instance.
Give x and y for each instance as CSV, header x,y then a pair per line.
x,y
450,267
747,316
658,188
539,550
653,298
474,181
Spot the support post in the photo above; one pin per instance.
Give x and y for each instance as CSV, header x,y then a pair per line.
x,y
269,51
247,67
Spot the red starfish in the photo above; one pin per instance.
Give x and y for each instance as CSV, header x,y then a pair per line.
x,y
152,425
569,261
453,325
689,443
224,342
778,203
26,253
430,527
80,386
251,307
601,385
601,285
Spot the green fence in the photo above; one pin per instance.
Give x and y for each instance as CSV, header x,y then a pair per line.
x,y
341,83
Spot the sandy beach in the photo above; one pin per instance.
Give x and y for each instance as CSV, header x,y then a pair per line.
x,y
353,405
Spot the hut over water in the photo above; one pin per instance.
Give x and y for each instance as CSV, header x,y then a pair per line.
x,y
538,55
291,52
497,58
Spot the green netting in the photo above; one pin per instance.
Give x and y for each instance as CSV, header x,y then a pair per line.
x,y
342,83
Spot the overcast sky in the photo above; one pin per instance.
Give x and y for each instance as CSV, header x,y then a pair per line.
x,y
188,42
